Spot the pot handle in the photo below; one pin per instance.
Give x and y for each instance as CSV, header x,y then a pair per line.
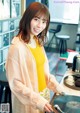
x,y
52,101
56,95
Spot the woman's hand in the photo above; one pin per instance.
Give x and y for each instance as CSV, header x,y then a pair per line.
x,y
60,89
48,108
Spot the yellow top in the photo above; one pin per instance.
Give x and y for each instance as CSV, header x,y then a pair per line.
x,y
40,59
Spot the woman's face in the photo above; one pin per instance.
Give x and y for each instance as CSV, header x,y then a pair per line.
x,y
37,25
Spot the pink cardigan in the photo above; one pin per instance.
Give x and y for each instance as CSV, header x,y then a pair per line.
x,y
22,77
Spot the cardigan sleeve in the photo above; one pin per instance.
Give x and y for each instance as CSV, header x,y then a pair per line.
x,y
51,81
22,91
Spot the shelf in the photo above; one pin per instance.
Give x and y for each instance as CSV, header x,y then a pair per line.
x,y
6,19
9,29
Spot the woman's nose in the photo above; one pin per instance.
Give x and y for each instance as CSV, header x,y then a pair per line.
x,y
39,24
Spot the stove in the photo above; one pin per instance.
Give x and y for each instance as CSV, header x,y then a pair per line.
x,y
66,103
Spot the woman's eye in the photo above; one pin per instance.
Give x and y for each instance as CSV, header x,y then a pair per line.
x,y
44,22
36,19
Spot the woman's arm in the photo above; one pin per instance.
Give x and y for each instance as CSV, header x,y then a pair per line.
x,y
51,81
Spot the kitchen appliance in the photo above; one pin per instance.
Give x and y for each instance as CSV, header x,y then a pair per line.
x,y
66,103
76,63
72,81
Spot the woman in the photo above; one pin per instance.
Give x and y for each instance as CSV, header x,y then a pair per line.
x,y
27,65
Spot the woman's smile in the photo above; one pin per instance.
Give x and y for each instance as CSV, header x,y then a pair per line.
x,y
37,30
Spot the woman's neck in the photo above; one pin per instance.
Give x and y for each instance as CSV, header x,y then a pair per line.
x,y
32,42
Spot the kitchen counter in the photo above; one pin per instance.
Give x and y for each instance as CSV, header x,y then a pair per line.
x,y
68,90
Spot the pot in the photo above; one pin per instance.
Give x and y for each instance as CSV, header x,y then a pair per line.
x,y
76,63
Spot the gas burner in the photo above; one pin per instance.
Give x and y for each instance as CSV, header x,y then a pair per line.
x,y
73,104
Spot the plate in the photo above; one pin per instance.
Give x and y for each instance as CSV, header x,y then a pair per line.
x,y
69,81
